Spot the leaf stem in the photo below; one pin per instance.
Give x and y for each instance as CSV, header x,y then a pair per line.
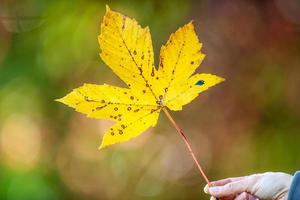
x,y
181,133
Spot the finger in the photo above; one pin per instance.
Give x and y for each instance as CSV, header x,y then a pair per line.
x,y
221,183
245,196
225,181
212,198
232,188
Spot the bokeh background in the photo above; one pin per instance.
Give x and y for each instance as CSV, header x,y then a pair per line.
x,y
248,124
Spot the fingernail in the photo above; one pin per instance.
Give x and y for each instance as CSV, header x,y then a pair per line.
x,y
206,190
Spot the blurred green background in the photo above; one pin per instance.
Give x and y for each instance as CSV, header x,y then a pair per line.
x,y
248,124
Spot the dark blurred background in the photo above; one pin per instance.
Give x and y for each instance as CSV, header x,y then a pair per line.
x,y
248,124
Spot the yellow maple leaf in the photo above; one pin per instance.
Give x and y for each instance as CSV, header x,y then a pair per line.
x,y
127,49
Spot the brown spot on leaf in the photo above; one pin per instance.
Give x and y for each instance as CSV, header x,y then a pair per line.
x,y
100,107
152,72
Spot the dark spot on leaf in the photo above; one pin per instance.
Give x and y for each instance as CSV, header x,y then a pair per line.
x,y
134,52
152,73
201,82
144,91
192,62
131,97
166,89
129,108
142,57
123,126
116,108
141,70
112,133
120,132
123,24
100,107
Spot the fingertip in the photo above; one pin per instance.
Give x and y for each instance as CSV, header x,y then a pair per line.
x,y
206,189
213,198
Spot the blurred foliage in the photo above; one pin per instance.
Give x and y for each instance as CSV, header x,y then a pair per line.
x,y
246,125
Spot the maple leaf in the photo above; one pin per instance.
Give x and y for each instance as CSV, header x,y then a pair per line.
x,y
127,49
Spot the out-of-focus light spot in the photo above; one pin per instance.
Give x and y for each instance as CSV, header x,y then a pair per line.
x,y
5,40
149,186
27,187
83,168
21,24
290,9
20,89
167,167
119,168
20,141
231,16
23,16
80,29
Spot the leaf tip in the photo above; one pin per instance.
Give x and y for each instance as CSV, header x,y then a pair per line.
x,y
61,100
102,146
221,79
107,8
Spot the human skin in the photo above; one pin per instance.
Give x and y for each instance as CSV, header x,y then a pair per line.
x,y
265,186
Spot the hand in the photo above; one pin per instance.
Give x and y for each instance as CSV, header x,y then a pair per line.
x,y
266,186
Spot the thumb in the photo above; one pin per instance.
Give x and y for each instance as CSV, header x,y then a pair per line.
x,y
231,189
